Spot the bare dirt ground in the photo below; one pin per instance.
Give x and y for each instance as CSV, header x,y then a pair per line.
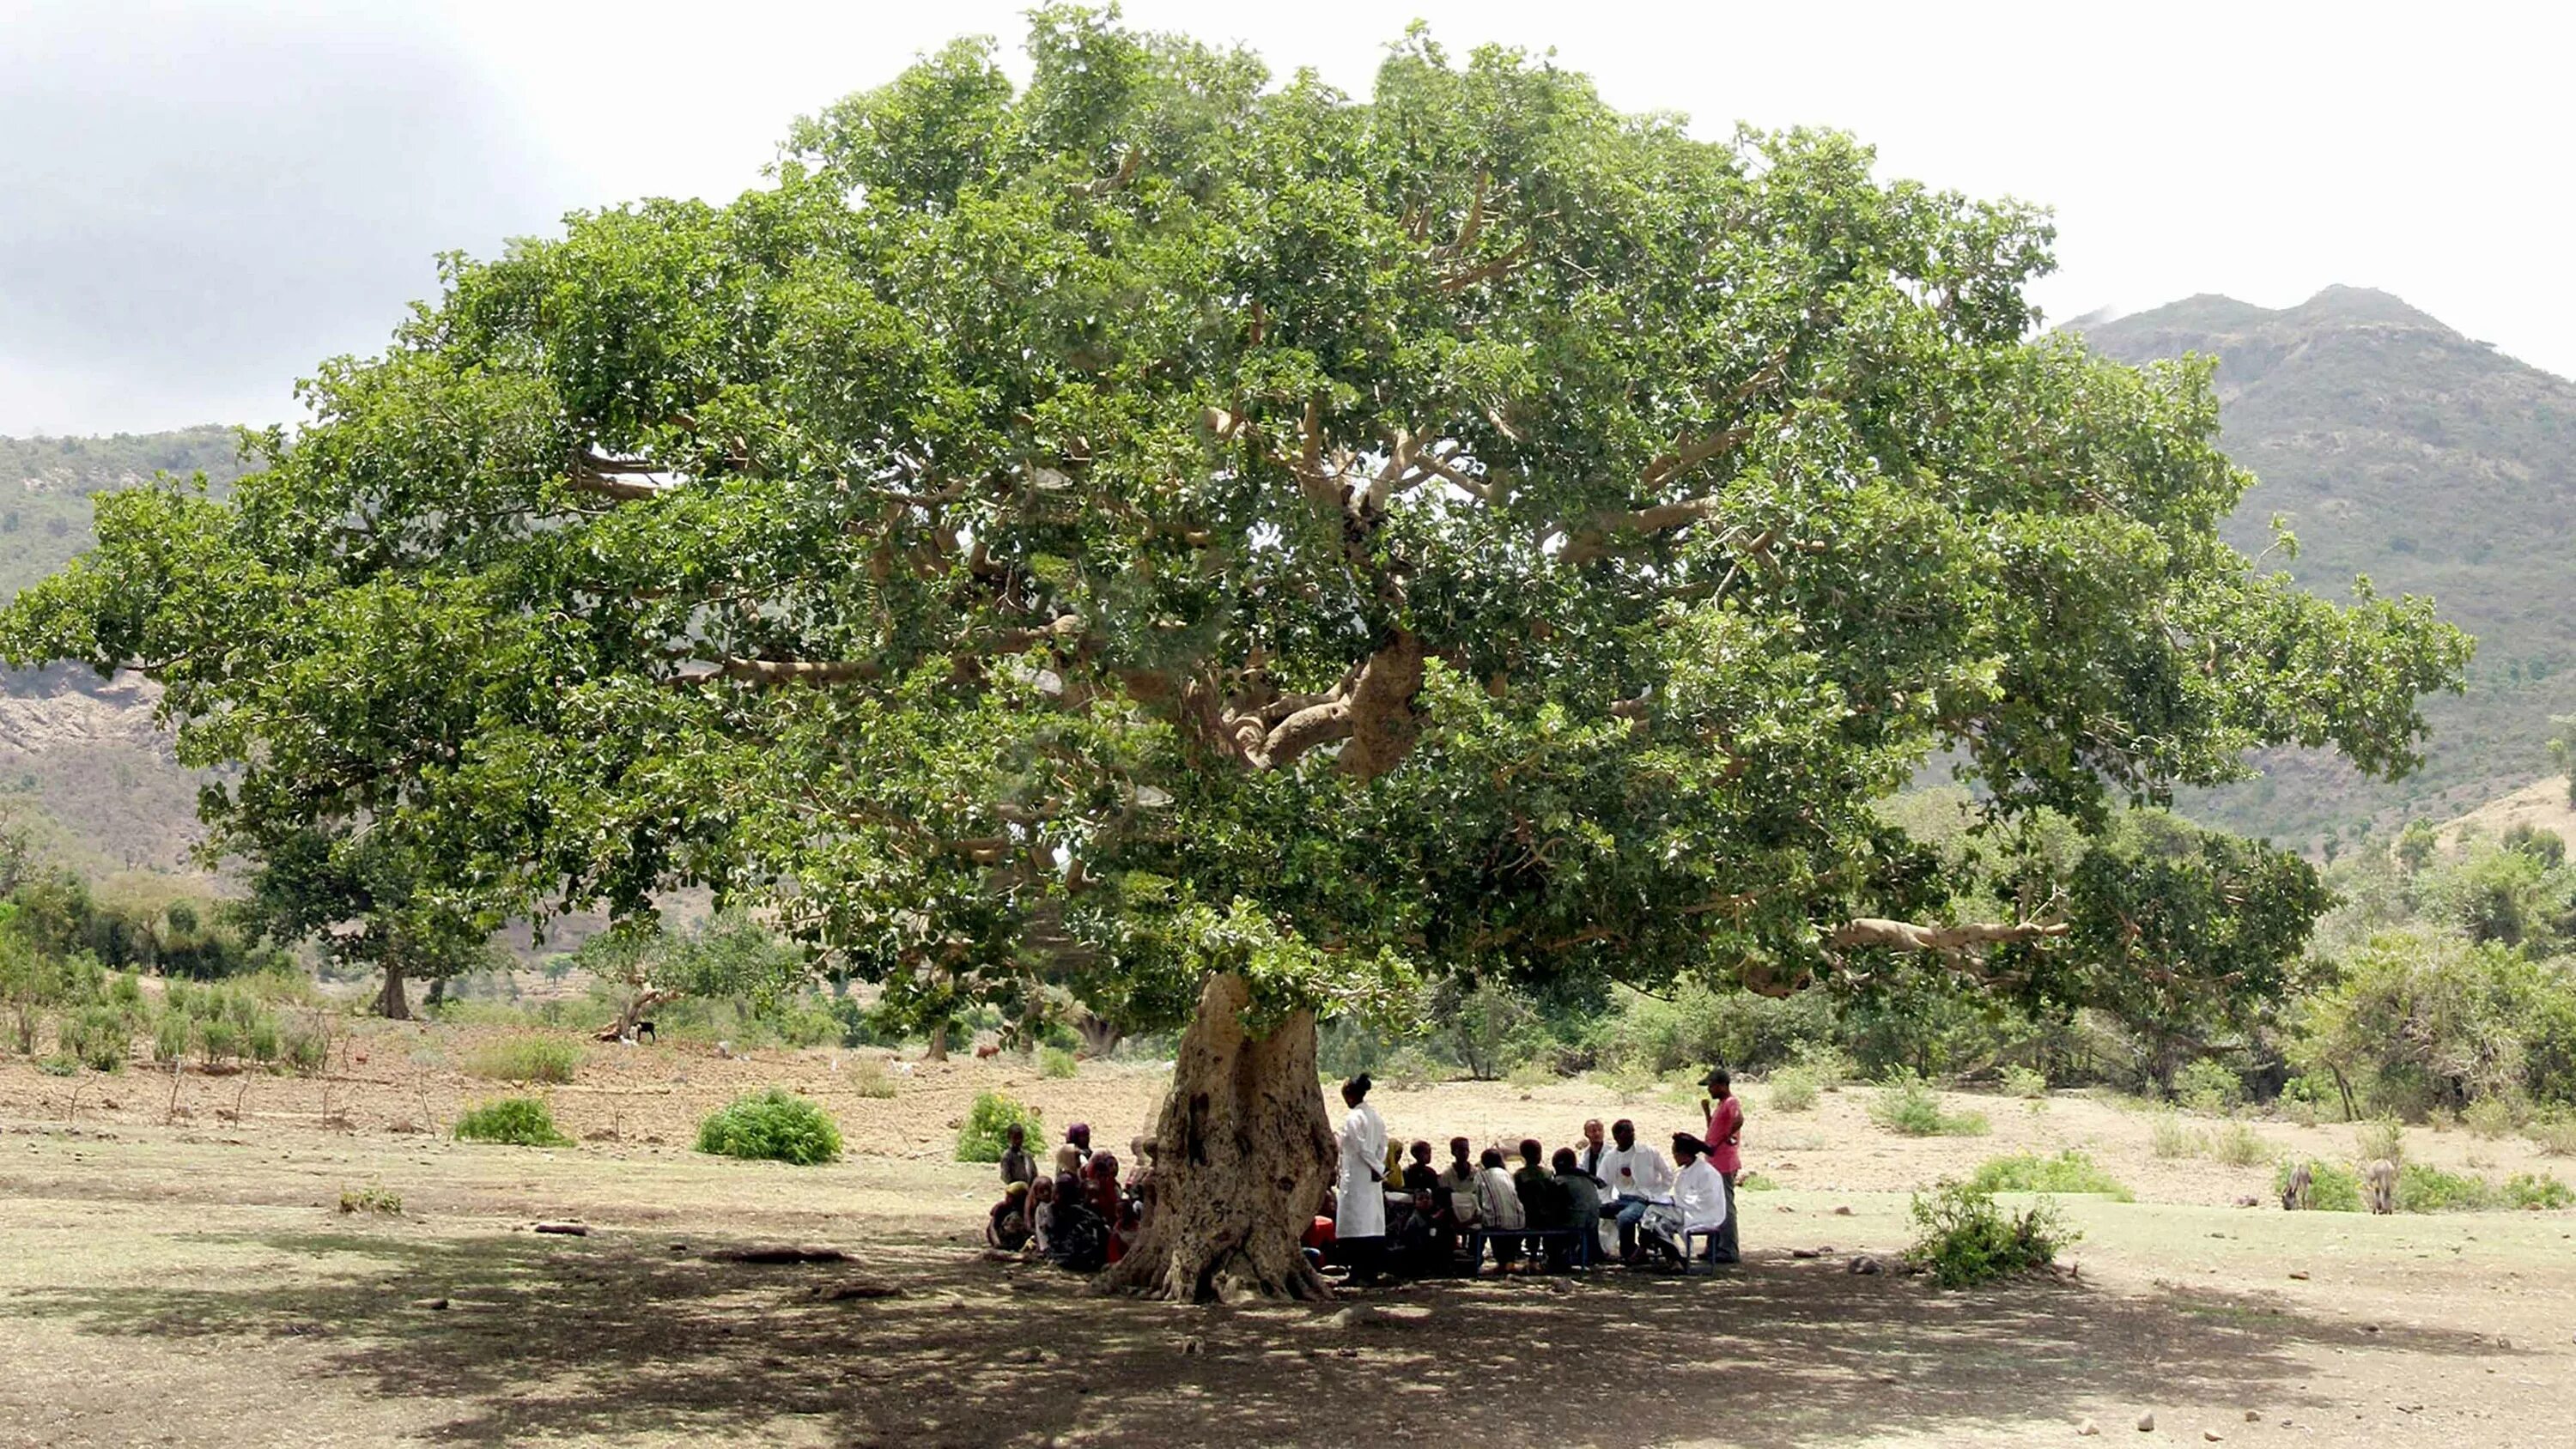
x,y
187,1278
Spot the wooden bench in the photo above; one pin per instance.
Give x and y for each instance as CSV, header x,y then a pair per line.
x,y
1531,1239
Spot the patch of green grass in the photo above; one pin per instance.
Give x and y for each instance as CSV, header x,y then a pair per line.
x,y
59,1066
513,1121
772,1126
983,1137
1057,1063
1754,1182
529,1058
372,1198
1906,1105
2025,1082
2332,1187
2068,1171
2537,1190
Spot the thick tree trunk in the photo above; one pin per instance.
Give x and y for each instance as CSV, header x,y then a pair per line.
x,y
937,1051
391,1003
1245,1152
645,999
1099,1037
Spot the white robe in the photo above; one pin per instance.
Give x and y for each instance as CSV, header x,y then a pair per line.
x,y
1359,1195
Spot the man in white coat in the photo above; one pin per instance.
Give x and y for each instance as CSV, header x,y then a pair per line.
x,y
1359,1214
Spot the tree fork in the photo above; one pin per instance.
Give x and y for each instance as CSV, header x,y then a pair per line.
x,y
1245,1154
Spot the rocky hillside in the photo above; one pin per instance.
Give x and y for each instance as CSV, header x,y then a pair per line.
x,y
2397,448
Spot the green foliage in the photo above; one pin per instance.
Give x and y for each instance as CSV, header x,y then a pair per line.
x,y
59,1066
2208,1086
527,1058
914,498
2556,1136
2027,1082
514,1121
2418,1020
1906,1105
2423,1188
1793,1089
2332,1187
2537,1190
868,1078
2491,1117
170,1033
1057,1063
988,1121
99,1038
772,1126
305,1050
219,1039
2069,1171
1962,1238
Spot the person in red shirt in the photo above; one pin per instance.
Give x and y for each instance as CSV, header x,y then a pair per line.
x,y
1725,1131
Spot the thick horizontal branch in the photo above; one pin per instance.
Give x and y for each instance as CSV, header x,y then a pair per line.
x,y
1907,936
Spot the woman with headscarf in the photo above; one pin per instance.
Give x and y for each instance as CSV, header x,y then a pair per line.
x,y
1359,1215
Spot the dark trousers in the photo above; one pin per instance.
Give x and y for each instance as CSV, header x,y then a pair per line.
x,y
1723,1250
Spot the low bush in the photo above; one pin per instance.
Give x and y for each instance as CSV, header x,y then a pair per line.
x,y
1906,1105
2424,1188
2383,1138
528,1058
2068,1171
96,1037
2332,1187
1793,1089
59,1066
2169,1136
370,1199
2238,1145
513,1121
169,1037
868,1078
1962,1238
218,1039
1057,1063
305,1050
2537,1190
982,1139
772,1126
2025,1082
262,1041
1408,1069
1531,1073
2557,1137
2491,1117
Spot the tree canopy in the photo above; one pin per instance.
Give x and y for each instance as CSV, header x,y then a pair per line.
x,y
1159,520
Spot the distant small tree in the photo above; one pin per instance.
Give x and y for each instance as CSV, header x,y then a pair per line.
x,y
2562,751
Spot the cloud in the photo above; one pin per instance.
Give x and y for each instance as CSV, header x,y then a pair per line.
x,y
201,205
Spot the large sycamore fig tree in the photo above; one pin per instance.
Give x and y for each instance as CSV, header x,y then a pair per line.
x,y
1235,551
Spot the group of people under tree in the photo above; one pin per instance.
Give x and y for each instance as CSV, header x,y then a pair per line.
x,y
1395,1212
1392,1212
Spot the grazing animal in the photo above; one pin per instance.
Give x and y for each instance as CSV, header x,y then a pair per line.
x,y
988,1051
2382,1179
644,1032
2294,1197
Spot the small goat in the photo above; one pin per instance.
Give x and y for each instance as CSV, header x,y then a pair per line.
x,y
2294,1196
2381,1180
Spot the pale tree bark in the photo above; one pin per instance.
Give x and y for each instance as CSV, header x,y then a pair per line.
x,y
937,1050
1100,1036
644,1000
391,1002
1246,1151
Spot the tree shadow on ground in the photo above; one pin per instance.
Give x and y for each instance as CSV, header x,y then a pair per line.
x,y
623,1333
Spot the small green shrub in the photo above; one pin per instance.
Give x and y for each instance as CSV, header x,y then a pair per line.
x,y
1057,1063
59,1066
97,1038
218,1039
2025,1082
1962,1238
1754,1182
1793,1089
868,1078
2383,1138
772,1126
514,1121
2537,1190
2238,1145
528,1058
370,1199
169,1037
304,1050
2169,1136
982,1138
2424,1188
2441,1119
2207,1086
262,1041
1531,1073
1408,1069
2557,1137
2299,1110
1905,1105
2068,1171
2490,1117
2332,1187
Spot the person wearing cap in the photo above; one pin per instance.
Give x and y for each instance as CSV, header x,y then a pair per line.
x,y
1637,1179
1698,1205
1359,1217
1725,1129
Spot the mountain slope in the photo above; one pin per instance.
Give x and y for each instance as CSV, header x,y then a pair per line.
x,y
2394,447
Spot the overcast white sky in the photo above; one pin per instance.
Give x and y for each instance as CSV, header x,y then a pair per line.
x,y
198,202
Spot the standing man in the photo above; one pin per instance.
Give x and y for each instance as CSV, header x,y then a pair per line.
x,y
1637,1178
1359,1213
1017,1163
1725,1128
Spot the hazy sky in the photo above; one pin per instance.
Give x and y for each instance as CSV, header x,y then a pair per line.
x,y
198,202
